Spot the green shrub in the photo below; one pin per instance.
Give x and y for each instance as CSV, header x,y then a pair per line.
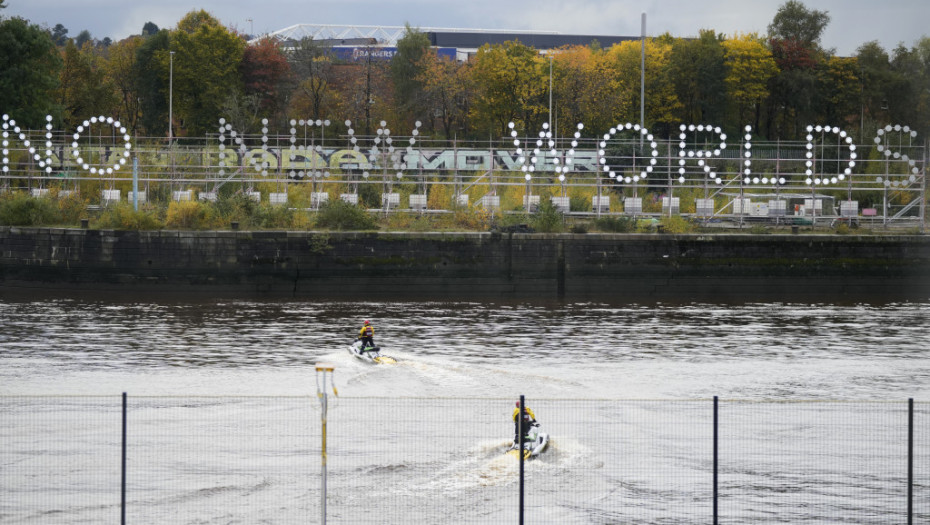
x,y
579,203
547,218
422,224
615,224
340,215
476,219
21,209
237,207
649,225
579,227
408,221
272,217
72,208
190,215
369,195
124,217
508,220
676,224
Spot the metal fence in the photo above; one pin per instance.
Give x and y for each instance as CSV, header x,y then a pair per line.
x,y
418,460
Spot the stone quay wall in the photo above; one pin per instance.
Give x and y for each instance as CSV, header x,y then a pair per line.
x,y
470,266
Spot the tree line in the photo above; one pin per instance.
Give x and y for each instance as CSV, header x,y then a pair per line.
x,y
778,82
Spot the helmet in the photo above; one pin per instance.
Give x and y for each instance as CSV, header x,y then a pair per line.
x,y
518,403
367,322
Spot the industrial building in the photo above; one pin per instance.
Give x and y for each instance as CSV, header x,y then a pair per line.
x,y
354,43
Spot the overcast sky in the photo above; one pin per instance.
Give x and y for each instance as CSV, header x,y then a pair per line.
x,y
853,22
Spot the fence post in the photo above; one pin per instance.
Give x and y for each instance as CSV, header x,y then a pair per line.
x,y
122,504
716,454
321,390
520,450
910,461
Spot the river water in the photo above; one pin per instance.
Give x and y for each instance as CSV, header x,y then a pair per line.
x,y
624,391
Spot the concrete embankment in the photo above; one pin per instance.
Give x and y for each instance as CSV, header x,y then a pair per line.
x,y
470,266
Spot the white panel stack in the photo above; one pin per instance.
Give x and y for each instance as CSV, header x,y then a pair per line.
x,y
778,208
600,203
277,198
490,201
849,208
633,205
674,203
317,198
418,202
530,202
109,196
704,207
810,205
351,198
181,195
741,206
563,204
390,200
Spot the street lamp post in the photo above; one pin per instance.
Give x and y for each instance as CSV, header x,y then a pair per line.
x,y
171,109
642,82
550,91
170,96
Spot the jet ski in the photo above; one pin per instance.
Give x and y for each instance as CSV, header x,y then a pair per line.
x,y
535,443
372,354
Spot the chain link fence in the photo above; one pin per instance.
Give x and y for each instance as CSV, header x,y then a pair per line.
x,y
416,460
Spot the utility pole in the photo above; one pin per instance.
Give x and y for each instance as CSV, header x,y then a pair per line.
x,y
642,81
550,92
170,97
368,100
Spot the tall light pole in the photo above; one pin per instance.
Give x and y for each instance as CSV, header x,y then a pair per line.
x,y
170,96
642,81
550,90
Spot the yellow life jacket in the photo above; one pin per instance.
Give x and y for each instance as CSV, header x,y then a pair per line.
x,y
367,331
529,412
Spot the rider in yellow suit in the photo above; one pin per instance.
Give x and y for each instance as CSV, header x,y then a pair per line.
x,y
529,419
367,335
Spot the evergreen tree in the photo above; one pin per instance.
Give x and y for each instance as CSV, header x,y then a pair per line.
x,y
152,83
29,65
794,38
59,35
406,70
149,29
82,38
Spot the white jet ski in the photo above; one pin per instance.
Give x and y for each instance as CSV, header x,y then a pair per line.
x,y
535,444
372,354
